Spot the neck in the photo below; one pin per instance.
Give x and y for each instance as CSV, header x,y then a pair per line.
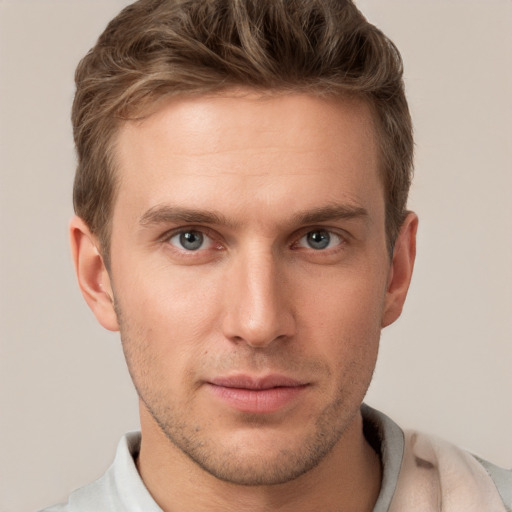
x,y
348,478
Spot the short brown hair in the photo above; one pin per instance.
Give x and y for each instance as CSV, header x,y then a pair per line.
x,y
162,48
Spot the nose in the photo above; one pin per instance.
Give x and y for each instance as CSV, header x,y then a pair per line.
x,y
258,306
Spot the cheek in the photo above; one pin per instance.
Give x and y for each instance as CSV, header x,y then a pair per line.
x,y
171,298
168,322
346,300
343,320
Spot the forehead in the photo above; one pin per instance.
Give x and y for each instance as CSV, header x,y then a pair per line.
x,y
266,149
229,117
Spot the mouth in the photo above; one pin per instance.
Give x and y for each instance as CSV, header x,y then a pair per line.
x,y
257,395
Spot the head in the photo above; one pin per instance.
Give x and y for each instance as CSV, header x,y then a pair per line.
x,y
243,173
154,50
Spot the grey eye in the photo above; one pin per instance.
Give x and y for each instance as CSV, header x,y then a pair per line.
x,y
320,239
188,240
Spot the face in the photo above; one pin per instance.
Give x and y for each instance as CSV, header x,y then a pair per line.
x,y
250,276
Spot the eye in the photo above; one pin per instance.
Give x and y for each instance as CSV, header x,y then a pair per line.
x,y
190,240
320,239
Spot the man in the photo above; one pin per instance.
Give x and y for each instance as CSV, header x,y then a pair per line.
x,y
241,220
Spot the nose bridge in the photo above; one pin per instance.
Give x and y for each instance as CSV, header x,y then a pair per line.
x,y
257,309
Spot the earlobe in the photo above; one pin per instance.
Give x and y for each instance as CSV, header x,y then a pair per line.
x,y
401,269
92,275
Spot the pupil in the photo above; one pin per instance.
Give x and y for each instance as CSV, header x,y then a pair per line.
x,y
191,240
319,239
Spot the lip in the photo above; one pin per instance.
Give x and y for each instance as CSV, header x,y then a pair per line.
x,y
258,395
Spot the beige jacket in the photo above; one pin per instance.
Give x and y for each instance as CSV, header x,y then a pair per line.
x,y
436,476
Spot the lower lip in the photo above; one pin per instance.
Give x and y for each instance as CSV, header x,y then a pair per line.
x,y
258,400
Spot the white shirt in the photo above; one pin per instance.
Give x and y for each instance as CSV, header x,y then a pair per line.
x,y
420,473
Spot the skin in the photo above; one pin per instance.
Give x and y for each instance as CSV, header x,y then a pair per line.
x,y
267,179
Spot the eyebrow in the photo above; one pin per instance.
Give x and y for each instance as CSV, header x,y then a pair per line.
x,y
167,214
330,212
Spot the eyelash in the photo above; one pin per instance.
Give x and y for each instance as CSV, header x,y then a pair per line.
x,y
331,234
192,229
219,245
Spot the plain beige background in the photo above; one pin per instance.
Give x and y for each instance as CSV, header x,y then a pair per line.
x,y
445,368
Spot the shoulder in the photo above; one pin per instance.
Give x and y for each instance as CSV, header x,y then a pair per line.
x,y
97,496
437,473
502,479
118,490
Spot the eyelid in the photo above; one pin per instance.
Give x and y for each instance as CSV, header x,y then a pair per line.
x,y
208,233
217,241
206,241
339,233
184,229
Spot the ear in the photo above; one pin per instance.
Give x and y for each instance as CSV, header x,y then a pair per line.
x,y
400,272
92,275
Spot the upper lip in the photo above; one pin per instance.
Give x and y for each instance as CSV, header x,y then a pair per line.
x,y
257,383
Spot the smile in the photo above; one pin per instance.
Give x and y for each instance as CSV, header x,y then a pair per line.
x,y
260,396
